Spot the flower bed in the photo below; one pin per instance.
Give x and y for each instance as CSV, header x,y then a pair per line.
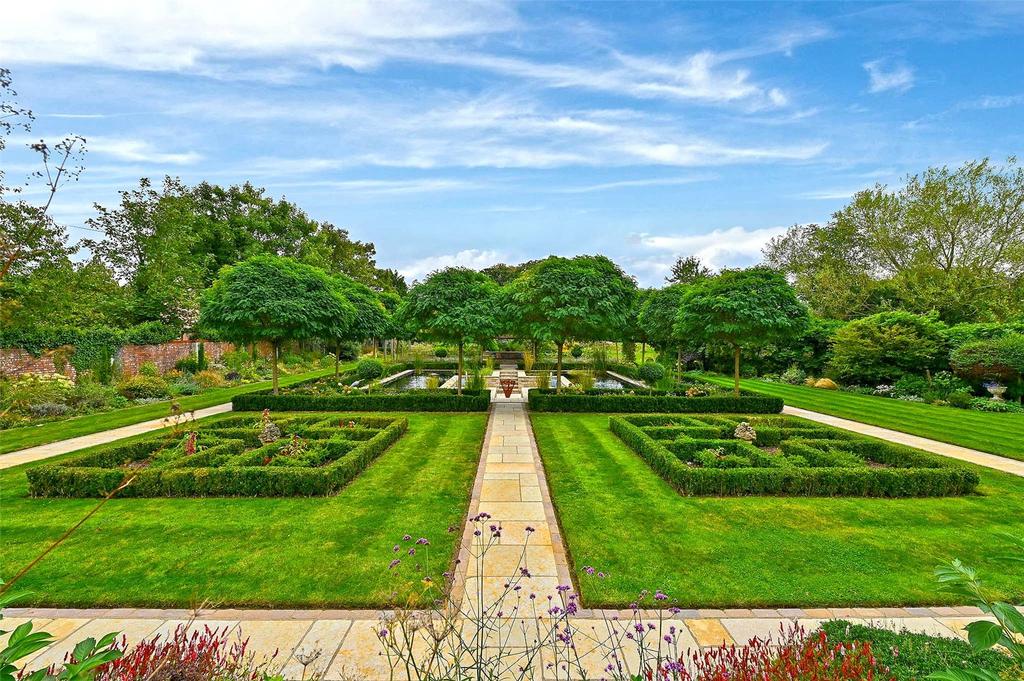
x,y
648,401
238,456
413,400
705,456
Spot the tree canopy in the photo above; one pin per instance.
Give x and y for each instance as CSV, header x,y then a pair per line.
x,y
741,309
275,299
453,305
950,240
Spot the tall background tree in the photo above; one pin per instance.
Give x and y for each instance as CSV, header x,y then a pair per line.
x,y
687,270
454,305
371,320
274,299
950,240
657,318
585,298
742,309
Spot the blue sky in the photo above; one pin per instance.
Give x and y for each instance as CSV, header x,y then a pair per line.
x,y
472,133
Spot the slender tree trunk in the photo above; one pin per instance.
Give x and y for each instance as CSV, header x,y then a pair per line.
x,y
643,352
337,358
736,370
558,371
458,379
374,341
277,347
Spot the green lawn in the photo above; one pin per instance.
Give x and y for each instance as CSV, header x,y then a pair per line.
x,y
283,552
1001,434
617,515
13,439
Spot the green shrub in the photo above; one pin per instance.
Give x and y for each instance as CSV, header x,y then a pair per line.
x,y
143,387
33,389
148,369
369,369
997,406
412,400
1001,359
887,345
910,656
187,365
651,372
959,400
961,334
577,351
184,385
209,378
440,352
793,376
618,401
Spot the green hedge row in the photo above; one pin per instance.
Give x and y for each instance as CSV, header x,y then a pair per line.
x,y
615,401
95,475
939,478
413,400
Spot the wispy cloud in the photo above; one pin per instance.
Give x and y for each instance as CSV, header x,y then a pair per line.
x,y
628,184
885,76
471,258
717,248
141,151
828,194
378,187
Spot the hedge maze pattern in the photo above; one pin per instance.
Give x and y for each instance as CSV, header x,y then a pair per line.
x,y
313,456
701,456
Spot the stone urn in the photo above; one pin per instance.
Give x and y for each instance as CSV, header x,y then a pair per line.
x,y
996,391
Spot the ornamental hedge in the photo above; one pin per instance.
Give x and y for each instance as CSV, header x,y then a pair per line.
x,y
612,401
314,456
412,400
700,456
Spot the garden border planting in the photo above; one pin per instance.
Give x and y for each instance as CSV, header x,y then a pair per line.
x,y
833,471
228,464
414,400
612,401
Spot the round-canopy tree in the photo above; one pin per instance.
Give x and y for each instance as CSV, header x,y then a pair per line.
x,y
274,299
454,305
371,318
742,309
885,346
584,298
657,319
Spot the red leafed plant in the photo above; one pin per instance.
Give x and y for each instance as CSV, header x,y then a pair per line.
x,y
798,657
188,655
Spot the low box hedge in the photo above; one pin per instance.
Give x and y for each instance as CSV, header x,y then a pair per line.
x,y
412,400
845,471
224,467
616,401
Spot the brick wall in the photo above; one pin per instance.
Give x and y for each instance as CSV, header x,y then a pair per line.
x,y
166,355
16,362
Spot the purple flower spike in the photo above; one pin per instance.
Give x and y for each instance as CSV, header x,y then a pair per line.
x,y
422,541
407,537
393,564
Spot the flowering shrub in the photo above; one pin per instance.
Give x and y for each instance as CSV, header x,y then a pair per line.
x,y
143,387
196,655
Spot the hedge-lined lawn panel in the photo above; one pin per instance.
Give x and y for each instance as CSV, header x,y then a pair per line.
x,y
648,401
705,455
1001,434
13,439
300,399
309,552
619,516
241,455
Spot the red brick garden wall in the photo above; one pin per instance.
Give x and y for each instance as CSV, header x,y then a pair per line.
x,y
15,362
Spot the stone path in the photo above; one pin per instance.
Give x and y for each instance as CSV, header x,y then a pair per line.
x,y
511,487
64,446
1000,463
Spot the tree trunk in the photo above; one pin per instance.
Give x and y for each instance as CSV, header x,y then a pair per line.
x,y
374,341
337,358
277,347
736,370
643,352
558,372
458,378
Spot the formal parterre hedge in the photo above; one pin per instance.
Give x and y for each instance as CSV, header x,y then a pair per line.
x,y
701,456
412,400
618,401
314,456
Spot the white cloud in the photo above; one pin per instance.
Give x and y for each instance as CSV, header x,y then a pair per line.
x,y
898,77
828,194
717,248
139,150
626,184
471,258
385,187
193,35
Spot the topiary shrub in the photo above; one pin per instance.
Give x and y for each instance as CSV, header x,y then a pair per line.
x,y
1001,359
369,369
440,352
143,387
884,346
577,351
651,372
